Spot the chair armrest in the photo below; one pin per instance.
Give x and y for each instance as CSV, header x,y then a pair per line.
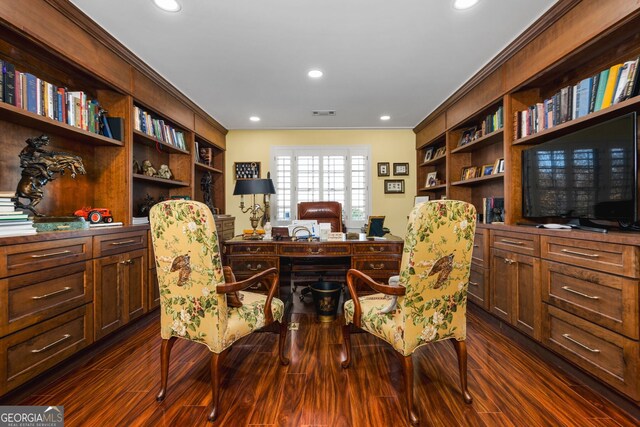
x,y
269,277
353,276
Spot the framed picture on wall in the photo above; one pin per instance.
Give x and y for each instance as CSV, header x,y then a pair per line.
x,y
401,168
394,186
247,170
383,169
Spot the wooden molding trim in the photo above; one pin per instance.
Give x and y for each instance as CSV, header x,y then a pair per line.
x,y
538,27
83,21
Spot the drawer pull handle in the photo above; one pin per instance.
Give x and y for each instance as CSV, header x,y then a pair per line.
x,y
376,267
573,291
380,249
508,261
317,251
124,242
127,262
63,290
256,268
567,251
473,283
476,246
51,254
47,347
592,350
253,251
512,242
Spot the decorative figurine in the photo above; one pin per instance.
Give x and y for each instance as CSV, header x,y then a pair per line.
x,y
136,167
147,168
145,206
38,168
205,185
164,172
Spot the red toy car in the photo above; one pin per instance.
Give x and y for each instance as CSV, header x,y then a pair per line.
x,y
95,215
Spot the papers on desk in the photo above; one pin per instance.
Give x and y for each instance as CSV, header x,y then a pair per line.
x,y
376,238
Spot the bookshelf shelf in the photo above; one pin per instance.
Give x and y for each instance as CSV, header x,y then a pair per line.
x,y
436,161
161,181
207,168
479,180
143,138
44,124
434,187
491,138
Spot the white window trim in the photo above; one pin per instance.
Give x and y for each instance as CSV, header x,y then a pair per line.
x,y
321,150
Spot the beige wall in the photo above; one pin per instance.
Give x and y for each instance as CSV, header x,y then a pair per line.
x,y
385,145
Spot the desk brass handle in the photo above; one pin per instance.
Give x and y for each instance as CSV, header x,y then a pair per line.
x,y
48,346
124,242
567,251
508,261
473,283
51,254
376,267
127,262
256,268
573,291
316,251
592,350
373,249
512,242
253,251
60,291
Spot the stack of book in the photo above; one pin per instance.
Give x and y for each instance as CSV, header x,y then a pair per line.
x,y
12,221
138,220
608,87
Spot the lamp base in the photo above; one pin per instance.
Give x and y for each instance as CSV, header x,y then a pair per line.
x,y
251,237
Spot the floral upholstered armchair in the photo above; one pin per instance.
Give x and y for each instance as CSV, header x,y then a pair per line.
x,y
196,302
432,296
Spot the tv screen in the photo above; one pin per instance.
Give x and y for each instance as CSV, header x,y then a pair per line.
x,y
590,173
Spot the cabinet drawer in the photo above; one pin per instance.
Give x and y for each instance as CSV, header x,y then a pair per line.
x,y
244,267
521,243
610,301
602,256
31,351
224,224
311,249
377,248
28,257
250,249
111,244
604,354
34,297
374,266
478,286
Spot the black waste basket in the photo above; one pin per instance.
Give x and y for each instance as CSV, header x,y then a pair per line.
x,y
326,297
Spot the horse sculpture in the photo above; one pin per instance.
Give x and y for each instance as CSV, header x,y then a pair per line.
x,y
39,166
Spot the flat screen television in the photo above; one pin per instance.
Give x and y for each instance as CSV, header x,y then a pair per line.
x,y
590,174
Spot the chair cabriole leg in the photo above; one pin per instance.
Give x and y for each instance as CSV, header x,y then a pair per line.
x,y
165,354
284,361
346,338
407,364
216,362
461,350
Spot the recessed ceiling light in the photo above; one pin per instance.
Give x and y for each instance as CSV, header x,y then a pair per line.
x,y
168,5
385,117
464,4
315,74
254,118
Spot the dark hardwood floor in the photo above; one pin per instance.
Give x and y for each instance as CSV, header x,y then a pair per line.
x,y
510,386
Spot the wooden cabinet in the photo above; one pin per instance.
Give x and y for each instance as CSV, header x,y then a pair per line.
x,y
225,226
478,290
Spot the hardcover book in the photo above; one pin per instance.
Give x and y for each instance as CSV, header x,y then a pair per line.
x,y
9,83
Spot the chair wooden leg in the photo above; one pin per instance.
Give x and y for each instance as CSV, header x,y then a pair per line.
x,y
216,362
281,343
461,349
407,365
165,354
346,338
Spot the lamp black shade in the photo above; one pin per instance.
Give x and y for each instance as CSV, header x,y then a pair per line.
x,y
254,186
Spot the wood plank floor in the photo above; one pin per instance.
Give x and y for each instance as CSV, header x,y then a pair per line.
x,y
510,387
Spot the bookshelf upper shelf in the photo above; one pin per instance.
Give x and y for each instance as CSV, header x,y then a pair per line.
x,y
154,142
491,138
206,167
161,181
479,180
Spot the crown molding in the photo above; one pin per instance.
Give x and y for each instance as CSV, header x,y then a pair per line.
x,y
545,21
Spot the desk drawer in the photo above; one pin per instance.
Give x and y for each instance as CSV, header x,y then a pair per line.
x,y
250,249
374,266
244,267
602,256
314,249
522,243
377,248
28,257
111,244
34,297
31,351
605,354
479,241
478,290
599,297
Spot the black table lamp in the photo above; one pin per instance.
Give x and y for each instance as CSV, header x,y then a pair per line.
x,y
253,187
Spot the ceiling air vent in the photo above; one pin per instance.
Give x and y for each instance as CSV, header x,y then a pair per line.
x,y
324,112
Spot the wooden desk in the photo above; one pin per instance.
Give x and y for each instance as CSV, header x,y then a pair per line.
x,y
380,258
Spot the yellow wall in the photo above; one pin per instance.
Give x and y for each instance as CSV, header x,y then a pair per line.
x,y
385,146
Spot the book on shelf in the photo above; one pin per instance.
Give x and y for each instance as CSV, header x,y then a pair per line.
x,y
9,83
10,194
137,220
12,216
17,232
15,222
116,125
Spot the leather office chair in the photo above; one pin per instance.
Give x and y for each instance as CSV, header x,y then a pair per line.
x,y
432,296
307,270
199,300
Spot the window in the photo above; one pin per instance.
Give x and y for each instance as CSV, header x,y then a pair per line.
x,y
309,174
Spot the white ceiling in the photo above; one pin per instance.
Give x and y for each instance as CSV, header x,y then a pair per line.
x,y
239,58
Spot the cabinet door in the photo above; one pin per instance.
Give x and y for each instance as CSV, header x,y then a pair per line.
x,y
503,272
134,265
526,297
108,300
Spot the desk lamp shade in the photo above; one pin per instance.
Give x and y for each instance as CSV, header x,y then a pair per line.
x,y
254,186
